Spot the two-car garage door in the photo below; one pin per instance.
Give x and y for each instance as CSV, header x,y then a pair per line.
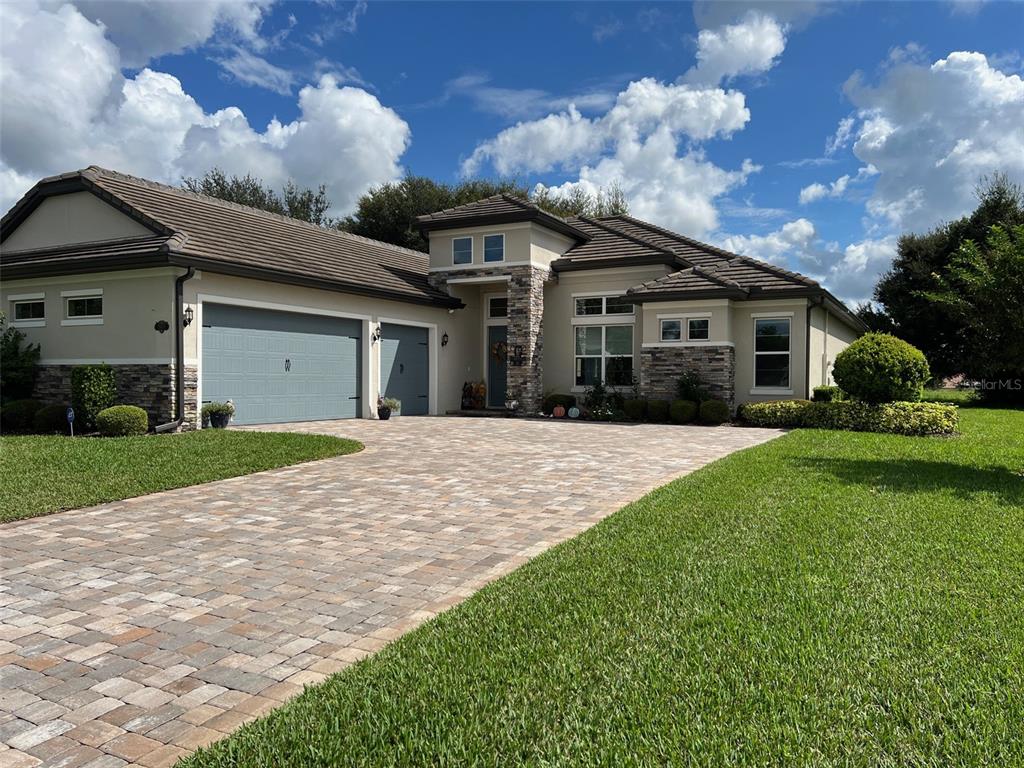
x,y
284,366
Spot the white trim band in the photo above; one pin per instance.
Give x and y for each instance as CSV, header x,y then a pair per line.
x,y
26,296
82,292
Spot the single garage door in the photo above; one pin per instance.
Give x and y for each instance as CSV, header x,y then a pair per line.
x,y
280,366
405,367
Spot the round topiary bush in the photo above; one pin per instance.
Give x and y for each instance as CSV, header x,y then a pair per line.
x,y
17,415
880,368
657,411
682,411
51,419
122,420
714,412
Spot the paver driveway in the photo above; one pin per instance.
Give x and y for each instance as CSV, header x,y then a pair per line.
x,y
135,631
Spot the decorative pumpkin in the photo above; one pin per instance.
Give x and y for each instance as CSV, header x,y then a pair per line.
x,y
558,411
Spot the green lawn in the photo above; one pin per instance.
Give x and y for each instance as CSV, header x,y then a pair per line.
x,y
954,396
826,599
43,474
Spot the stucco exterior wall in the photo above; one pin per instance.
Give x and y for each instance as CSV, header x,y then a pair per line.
x,y
78,217
517,245
559,311
830,335
717,311
743,315
133,302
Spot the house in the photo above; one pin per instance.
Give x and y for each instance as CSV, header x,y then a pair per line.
x,y
185,294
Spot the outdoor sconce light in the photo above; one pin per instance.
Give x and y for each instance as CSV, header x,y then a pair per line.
x,y
444,340
161,326
375,335
187,321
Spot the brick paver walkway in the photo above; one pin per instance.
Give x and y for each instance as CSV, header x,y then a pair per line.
x,y
134,632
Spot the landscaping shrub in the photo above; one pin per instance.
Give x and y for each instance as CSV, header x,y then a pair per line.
x,y
689,386
682,411
93,389
714,412
635,408
880,368
122,421
19,365
830,394
893,418
657,411
17,415
550,401
774,413
51,419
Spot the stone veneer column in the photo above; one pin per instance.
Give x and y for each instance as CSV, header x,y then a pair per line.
x,y
526,330
661,367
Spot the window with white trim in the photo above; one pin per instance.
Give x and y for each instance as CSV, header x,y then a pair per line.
x,y
462,250
34,309
671,330
494,248
497,307
698,329
84,307
604,353
603,305
771,353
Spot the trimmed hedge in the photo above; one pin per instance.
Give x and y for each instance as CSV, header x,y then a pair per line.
x,y
714,412
50,420
93,389
122,421
682,411
657,411
635,408
566,401
827,394
17,415
914,419
880,368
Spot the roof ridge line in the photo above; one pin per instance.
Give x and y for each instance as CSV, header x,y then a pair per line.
x,y
639,240
710,274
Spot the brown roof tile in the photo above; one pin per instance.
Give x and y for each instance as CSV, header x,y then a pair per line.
x,y
497,209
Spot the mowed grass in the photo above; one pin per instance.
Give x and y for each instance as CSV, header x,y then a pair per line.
x,y
953,396
825,599
42,474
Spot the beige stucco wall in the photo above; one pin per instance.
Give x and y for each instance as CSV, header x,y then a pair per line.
x,y
525,243
743,314
717,311
78,217
133,301
449,365
559,310
830,335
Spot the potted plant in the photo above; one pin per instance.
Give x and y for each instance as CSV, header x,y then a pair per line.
x,y
217,415
386,406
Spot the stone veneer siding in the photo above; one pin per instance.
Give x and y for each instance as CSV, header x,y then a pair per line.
x,y
661,367
149,386
525,382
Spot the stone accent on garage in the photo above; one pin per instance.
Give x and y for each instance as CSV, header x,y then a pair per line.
x,y
149,386
661,367
191,398
525,327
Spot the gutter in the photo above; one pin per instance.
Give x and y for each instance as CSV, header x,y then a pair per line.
x,y
179,355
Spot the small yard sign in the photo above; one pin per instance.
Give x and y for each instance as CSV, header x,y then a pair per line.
x,y
71,420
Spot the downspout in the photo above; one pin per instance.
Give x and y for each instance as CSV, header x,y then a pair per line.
x,y
807,342
179,355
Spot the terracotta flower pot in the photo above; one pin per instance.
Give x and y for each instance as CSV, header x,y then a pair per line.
x,y
558,411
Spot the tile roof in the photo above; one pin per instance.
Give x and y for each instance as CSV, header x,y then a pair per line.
x,y
217,235
610,246
497,209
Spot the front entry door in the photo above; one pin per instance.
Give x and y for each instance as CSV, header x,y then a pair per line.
x,y
497,365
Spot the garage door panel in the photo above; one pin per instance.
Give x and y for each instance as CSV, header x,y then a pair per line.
x,y
281,366
405,367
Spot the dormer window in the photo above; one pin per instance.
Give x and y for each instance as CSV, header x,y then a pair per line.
x,y
494,248
462,250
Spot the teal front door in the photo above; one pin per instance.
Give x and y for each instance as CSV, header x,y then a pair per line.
x,y
497,365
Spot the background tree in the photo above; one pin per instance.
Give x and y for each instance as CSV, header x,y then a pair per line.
x,y
294,201
579,202
930,325
983,289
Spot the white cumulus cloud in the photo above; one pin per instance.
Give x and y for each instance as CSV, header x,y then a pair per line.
x,y
749,47
69,106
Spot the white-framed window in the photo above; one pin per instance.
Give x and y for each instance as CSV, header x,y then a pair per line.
x,y
462,250
603,305
494,248
83,307
28,310
698,329
604,353
497,307
772,352
671,330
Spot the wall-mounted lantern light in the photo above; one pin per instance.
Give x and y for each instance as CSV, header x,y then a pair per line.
x,y
187,320
444,340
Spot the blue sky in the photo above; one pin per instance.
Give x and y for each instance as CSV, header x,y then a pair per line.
x,y
807,134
